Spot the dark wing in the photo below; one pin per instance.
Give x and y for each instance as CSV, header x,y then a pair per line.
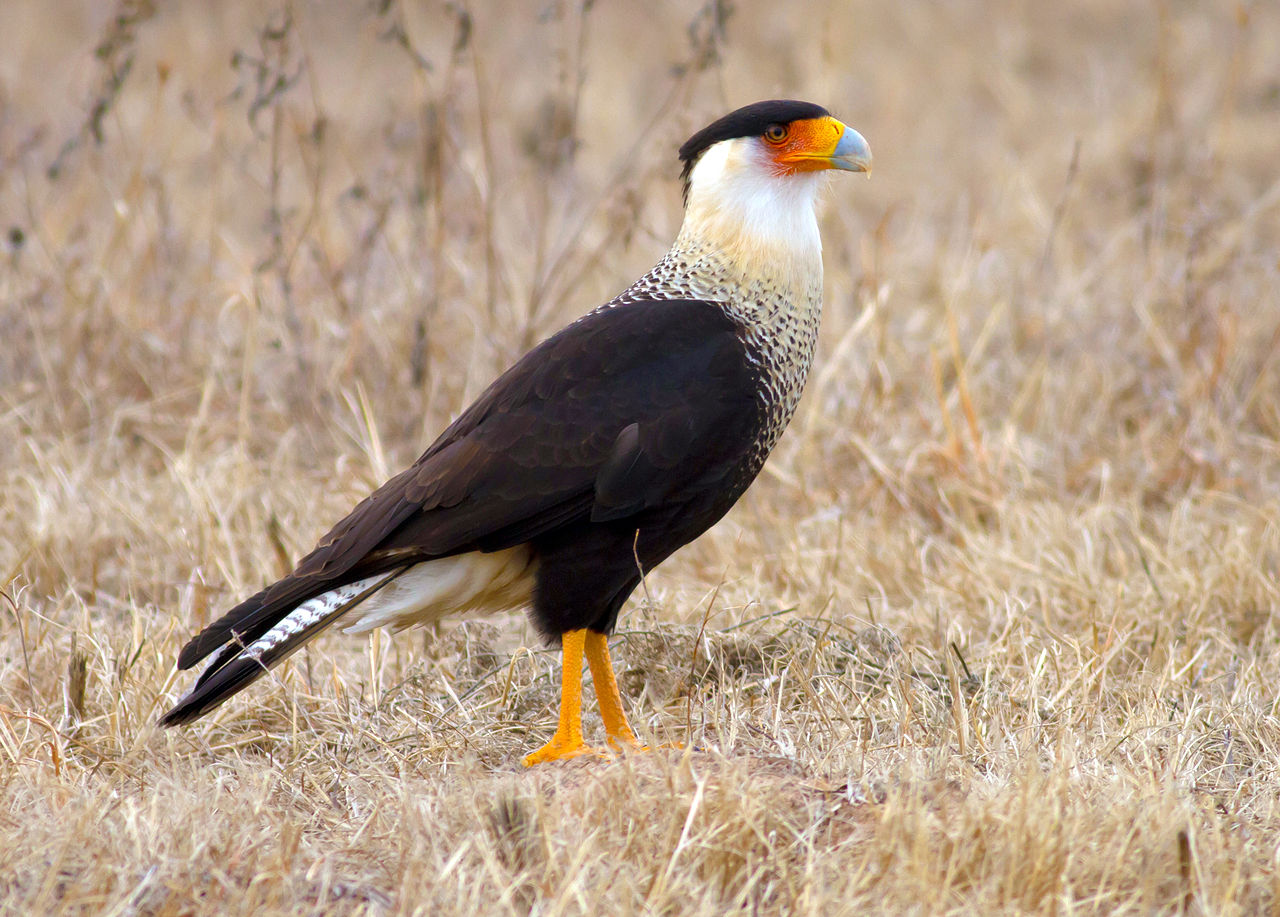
x,y
615,414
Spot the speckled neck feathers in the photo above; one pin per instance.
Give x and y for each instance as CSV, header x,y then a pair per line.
x,y
750,244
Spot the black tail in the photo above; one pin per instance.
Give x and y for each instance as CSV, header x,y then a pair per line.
x,y
246,655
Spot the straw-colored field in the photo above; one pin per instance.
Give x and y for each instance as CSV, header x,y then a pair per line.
x,y
995,632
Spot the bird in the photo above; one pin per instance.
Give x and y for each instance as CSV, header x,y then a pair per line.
x,y
596,455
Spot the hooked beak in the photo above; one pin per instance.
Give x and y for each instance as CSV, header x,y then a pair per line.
x,y
851,153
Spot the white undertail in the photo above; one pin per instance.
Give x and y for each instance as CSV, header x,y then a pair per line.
x,y
424,593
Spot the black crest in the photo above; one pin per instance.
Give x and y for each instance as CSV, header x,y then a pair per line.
x,y
748,121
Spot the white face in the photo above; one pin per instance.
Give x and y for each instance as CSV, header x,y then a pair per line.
x,y
740,197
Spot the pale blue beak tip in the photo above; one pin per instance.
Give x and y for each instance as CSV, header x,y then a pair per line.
x,y
852,153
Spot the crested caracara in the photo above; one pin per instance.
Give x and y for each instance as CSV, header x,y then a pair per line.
x,y
604,449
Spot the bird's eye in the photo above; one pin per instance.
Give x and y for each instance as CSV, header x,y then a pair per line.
x,y
775,133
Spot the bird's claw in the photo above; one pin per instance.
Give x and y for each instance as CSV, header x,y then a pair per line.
x,y
559,750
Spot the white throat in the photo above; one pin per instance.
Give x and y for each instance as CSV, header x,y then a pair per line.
x,y
738,203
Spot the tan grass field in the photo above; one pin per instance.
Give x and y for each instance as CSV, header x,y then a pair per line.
x,y
995,632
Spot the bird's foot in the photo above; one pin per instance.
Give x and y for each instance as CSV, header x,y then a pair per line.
x,y
629,744
560,749
625,740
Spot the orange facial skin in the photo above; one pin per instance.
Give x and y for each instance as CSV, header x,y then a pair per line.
x,y
812,144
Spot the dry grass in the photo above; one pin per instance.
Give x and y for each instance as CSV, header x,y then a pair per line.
x,y
996,633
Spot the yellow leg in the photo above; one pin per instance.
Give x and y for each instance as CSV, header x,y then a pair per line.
x,y
567,742
615,718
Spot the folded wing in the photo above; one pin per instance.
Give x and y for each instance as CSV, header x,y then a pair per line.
x,y
618,413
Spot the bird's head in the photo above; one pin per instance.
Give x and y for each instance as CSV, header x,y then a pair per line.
x,y
753,176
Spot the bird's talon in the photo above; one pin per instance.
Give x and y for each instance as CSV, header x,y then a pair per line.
x,y
632,745
562,751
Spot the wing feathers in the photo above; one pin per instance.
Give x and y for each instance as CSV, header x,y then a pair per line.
x,y
630,406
